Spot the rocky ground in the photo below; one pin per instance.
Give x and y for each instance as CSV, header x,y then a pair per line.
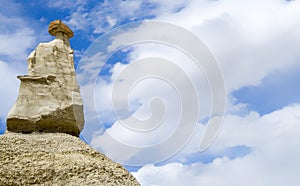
x,y
56,159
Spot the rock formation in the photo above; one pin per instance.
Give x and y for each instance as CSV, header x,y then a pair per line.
x,y
38,149
56,159
49,98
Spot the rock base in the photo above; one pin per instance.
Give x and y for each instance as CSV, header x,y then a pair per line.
x,y
56,159
44,104
58,121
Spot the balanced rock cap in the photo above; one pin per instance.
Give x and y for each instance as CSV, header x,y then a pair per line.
x,y
58,26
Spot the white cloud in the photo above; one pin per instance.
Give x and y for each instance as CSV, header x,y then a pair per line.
x,y
168,6
104,15
107,14
248,47
8,87
143,92
16,38
71,4
274,139
111,21
249,39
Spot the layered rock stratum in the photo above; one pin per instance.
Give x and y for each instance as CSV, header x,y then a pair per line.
x,y
56,159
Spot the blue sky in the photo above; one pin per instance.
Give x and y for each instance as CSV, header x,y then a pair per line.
x,y
256,44
277,90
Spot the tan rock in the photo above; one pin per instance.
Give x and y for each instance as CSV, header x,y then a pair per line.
x,y
58,26
56,159
49,97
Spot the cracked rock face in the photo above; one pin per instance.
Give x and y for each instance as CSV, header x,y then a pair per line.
x,y
49,97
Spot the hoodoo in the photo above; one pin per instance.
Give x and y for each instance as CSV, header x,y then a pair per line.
x,y
49,98
48,109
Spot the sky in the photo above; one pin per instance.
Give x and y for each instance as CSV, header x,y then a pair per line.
x,y
255,48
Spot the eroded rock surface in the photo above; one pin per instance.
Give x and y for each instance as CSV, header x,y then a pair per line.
x,y
49,98
56,159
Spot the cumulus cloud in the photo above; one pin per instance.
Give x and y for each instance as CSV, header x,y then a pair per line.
x,y
16,38
143,92
274,159
250,39
9,87
248,47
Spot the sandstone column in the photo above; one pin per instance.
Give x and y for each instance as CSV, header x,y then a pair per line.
x,y
49,97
